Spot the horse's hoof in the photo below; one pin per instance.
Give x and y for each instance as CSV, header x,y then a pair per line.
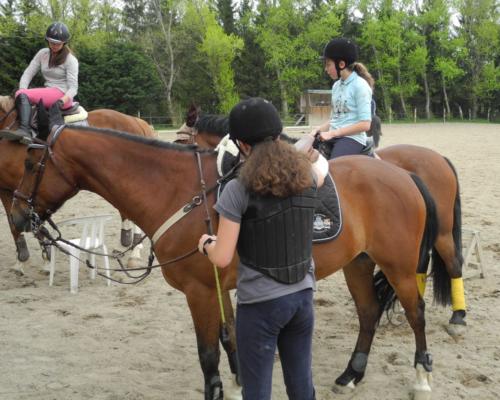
x,y
18,269
134,262
456,331
422,394
126,237
22,249
344,389
233,390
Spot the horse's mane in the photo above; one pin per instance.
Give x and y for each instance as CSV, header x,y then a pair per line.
x,y
6,103
213,124
287,138
142,139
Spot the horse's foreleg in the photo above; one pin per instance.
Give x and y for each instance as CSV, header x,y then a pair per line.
x,y
359,278
202,302
228,341
134,259
21,247
126,232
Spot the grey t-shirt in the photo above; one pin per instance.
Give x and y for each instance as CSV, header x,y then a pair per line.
x,y
64,76
254,287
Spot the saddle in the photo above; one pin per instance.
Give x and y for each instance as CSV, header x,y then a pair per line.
x,y
326,147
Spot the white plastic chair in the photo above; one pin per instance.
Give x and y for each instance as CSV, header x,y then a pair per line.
x,y
91,238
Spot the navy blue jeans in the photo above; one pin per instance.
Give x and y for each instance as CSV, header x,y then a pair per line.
x,y
345,146
286,322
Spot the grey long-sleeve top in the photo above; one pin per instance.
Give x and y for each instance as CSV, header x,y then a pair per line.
x,y
64,76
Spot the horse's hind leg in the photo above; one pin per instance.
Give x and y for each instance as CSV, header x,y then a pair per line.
x,y
405,286
447,255
359,277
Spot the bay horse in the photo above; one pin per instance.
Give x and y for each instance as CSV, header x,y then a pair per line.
x,y
12,156
388,219
437,173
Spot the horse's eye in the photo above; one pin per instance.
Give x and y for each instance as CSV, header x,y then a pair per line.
x,y
28,165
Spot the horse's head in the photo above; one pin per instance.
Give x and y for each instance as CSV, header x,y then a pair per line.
x,y
44,187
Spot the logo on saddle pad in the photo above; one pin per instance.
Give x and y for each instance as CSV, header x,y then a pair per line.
x,y
321,223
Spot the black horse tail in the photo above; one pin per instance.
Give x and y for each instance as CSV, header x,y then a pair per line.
x,y
385,293
442,291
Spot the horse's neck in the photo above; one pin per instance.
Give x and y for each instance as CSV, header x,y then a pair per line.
x,y
144,182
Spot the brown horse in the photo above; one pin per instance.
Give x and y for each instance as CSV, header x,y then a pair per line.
x,y
388,219
12,156
437,173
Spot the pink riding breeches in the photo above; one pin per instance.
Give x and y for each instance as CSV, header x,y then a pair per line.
x,y
48,95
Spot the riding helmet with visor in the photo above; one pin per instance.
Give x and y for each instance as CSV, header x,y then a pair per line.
x,y
254,120
57,32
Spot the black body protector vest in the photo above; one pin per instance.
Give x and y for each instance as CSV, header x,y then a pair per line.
x,y
276,235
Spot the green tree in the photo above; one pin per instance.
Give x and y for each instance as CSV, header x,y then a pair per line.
x,y
480,32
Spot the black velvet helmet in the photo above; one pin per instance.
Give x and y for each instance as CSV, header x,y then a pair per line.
x,y
341,49
57,32
254,120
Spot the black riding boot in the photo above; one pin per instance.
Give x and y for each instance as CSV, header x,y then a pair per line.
x,y
23,108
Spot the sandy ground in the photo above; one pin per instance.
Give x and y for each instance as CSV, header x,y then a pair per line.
x,y
137,342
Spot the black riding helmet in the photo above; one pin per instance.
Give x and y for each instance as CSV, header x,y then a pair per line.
x,y
254,120
57,32
341,49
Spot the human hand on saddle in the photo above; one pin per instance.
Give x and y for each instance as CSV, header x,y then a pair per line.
x,y
305,145
330,134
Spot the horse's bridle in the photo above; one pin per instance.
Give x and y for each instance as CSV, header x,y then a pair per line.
x,y
48,154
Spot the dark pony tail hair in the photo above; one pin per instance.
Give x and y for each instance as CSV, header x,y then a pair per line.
x,y
362,71
60,57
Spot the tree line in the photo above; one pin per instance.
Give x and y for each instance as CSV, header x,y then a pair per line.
x,y
156,57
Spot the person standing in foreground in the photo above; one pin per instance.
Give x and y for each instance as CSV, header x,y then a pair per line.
x,y
351,99
267,215
59,68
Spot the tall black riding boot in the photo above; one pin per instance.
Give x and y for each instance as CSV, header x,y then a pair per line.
x,y
23,108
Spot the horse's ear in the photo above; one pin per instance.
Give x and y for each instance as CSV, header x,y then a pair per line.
x,y
55,116
43,121
192,115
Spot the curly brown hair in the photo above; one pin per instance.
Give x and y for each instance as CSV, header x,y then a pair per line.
x,y
276,168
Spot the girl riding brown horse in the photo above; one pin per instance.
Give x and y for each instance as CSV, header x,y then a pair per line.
x,y
12,156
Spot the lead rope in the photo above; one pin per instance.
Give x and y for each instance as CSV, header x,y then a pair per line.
x,y
208,221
